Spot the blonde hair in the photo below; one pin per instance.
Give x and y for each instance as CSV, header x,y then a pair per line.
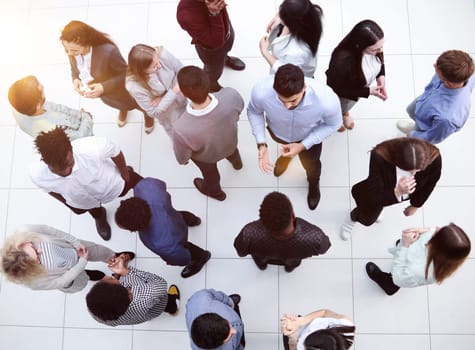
x,y
16,265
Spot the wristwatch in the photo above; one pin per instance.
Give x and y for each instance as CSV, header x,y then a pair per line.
x,y
261,144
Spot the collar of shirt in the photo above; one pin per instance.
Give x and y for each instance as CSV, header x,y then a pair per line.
x,y
204,111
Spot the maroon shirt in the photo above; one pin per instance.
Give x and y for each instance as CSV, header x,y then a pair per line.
x,y
204,29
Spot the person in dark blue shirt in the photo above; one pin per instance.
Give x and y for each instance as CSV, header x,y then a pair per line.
x,y
161,228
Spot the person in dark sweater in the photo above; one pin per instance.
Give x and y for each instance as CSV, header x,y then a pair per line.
x,y
278,237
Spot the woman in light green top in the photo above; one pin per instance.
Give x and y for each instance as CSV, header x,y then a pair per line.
x,y
423,256
33,114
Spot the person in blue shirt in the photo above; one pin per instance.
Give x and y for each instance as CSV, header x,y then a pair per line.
x,y
214,321
161,228
444,106
300,113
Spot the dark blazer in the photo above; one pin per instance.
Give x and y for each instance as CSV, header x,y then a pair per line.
x,y
345,75
109,68
378,188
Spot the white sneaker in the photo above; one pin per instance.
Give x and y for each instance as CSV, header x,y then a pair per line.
x,y
406,125
347,228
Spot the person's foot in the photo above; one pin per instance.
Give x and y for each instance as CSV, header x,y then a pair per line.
x,y
341,128
236,298
313,196
234,63
102,226
149,124
290,268
406,126
281,165
220,196
129,256
375,274
173,291
348,121
95,275
347,228
190,218
260,265
237,164
195,266
122,119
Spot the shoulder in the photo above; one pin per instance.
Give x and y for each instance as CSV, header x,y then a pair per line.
x,y
264,87
105,49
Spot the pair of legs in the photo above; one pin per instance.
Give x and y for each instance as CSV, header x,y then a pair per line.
x,y
289,264
348,122
214,60
210,184
310,159
99,213
405,125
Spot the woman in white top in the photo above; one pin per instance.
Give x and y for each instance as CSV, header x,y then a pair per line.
x,y
151,81
423,256
321,329
294,35
43,258
355,64
33,114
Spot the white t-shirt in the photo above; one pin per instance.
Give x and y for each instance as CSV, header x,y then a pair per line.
x,y
95,178
83,63
371,67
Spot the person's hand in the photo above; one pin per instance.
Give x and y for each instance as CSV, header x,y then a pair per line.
x,y
95,91
264,44
264,163
215,6
406,185
156,101
82,251
274,21
291,150
290,324
377,91
409,237
118,265
410,210
176,88
382,82
77,84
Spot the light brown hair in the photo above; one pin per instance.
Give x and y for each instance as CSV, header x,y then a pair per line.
x,y
408,153
25,95
447,250
455,66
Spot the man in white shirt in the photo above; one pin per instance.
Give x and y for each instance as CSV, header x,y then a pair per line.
x,y
82,174
299,113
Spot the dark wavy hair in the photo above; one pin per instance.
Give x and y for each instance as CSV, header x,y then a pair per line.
x,y
194,83
288,80
304,21
334,338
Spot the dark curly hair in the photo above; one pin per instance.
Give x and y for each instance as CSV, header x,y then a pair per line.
x,y
275,212
108,301
54,147
133,214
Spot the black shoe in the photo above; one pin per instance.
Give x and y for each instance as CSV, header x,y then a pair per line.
x,y
313,197
281,165
220,196
291,268
102,226
236,298
375,273
397,242
237,165
190,218
95,275
195,266
262,266
234,63
129,255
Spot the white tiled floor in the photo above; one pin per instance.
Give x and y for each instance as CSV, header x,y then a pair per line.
x,y
435,318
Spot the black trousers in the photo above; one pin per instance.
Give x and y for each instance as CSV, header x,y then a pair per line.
x,y
211,177
310,159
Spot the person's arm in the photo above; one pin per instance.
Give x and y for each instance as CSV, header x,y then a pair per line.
x,y
291,323
426,181
53,232
220,297
182,151
441,128
242,243
120,163
322,242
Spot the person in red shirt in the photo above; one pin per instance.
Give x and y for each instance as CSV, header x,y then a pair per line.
x,y
211,32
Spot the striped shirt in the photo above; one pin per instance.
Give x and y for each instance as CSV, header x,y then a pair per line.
x,y
54,256
149,298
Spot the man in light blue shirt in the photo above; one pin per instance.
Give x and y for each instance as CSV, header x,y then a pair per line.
x,y
444,106
214,321
299,113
